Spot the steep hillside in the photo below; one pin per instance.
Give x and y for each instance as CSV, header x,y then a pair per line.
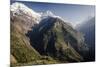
x,y
22,53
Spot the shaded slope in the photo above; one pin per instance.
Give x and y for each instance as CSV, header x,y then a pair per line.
x,y
55,38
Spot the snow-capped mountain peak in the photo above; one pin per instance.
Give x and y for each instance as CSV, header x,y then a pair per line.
x,y
49,13
21,9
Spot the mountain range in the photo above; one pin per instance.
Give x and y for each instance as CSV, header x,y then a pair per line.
x,y
43,38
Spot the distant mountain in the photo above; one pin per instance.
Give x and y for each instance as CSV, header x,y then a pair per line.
x,y
43,38
88,29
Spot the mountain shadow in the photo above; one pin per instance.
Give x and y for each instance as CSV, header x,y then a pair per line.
x,y
53,37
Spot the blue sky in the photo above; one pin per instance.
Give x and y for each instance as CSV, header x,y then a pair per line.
x,y
69,12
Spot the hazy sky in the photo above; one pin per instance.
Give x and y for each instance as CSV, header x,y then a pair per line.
x,y
69,12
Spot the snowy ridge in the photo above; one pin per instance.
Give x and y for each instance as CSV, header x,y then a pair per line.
x,y
19,9
48,13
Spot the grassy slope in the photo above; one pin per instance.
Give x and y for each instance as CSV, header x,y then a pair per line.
x,y
22,51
